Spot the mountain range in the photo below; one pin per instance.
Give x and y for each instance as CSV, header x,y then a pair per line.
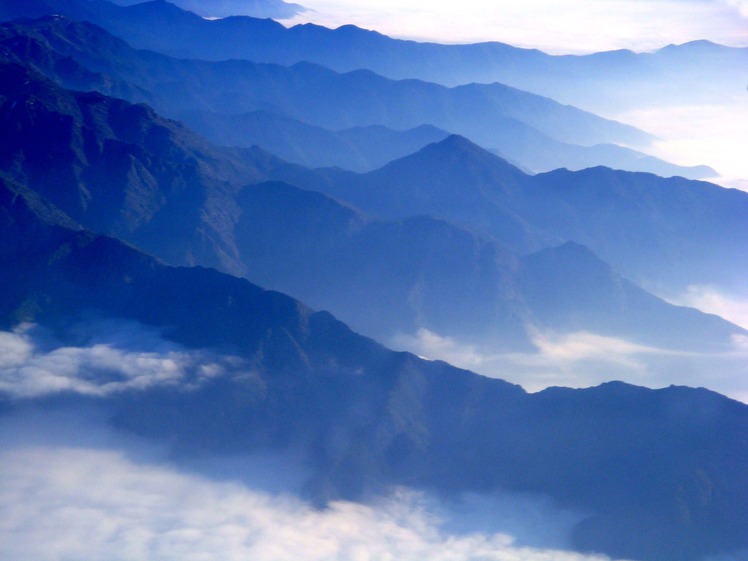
x,y
698,71
209,300
358,149
674,458
122,170
276,9
640,223
533,131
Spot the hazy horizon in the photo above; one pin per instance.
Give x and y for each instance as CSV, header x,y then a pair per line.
x,y
712,134
580,27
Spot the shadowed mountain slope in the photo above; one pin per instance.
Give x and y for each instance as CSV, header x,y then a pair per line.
x,y
632,458
386,277
121,169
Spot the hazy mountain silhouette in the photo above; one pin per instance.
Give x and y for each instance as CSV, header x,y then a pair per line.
x,y
452,179
694,72
385,277
658,474
357,149
122,170
661,232
667,232
364,149
631,458
276,9
533,131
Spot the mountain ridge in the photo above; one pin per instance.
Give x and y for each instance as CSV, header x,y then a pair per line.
x,y
357,98
640,223
398,419
577,79
429,273
213,369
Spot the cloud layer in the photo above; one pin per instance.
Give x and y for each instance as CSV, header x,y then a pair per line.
x,y
92,504
122,356
714,134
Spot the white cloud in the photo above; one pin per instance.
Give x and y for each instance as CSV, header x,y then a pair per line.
x,y
563,350
713,134
740,5
713,300
582,359
86,504
432,346
123,356
572,348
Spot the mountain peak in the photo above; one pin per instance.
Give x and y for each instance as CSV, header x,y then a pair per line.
x,y
698,44
456,150
158,5
457,141
570,258
455,163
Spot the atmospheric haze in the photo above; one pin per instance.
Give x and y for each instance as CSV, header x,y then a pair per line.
x,y
92,461
581,26
688,134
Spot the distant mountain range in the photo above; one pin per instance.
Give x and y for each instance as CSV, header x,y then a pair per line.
x,y
122,170
276,9
695,72
119,168
366,148
532,131
658,232
420,272
351,192
358,149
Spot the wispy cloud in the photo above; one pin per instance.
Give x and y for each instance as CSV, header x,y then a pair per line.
x,y
583,359
122,356
714,300
572,348
432,346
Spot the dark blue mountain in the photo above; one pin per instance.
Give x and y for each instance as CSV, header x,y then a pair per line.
x,y
388,277
659,474
121,169
363,418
